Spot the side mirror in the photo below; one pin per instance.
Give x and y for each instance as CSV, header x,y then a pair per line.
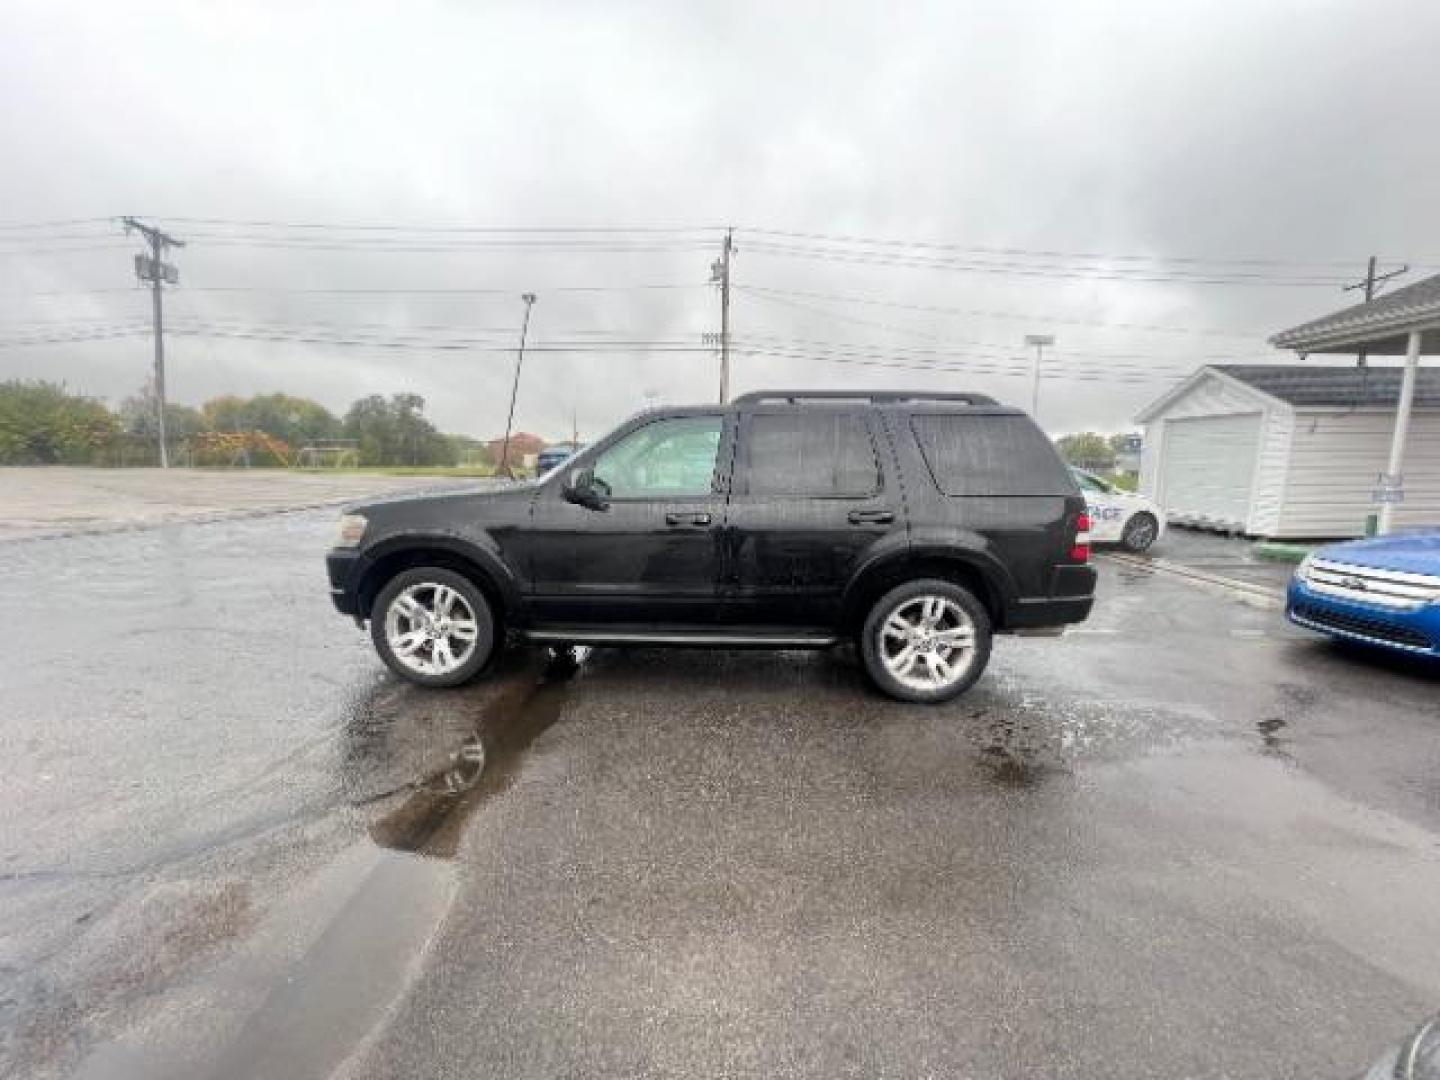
x,y
580,488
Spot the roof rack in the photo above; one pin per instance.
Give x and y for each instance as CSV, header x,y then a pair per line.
x,y
873,396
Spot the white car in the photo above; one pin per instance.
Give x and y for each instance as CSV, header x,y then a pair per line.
x,y
1119,517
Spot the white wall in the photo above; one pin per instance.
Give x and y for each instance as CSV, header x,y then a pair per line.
x,y
1334,460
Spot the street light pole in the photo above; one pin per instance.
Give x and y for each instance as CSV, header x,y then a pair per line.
x,y
529,299
1039,341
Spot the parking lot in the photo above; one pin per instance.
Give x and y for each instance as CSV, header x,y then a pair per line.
x,y
1182,840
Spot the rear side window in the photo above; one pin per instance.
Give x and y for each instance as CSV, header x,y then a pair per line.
x,y
990,455
815,454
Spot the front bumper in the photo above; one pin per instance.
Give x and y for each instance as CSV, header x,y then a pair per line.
x,y
1416,632
342,565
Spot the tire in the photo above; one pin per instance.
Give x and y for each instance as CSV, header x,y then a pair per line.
x,y
908,617
1139,533
432,627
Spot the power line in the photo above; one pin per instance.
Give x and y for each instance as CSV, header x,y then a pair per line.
x,y
991,314
30,226
968,249
960,365
280,291
73,250
1021,270
456,248
479,229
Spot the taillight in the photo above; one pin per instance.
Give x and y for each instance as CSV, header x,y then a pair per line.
x,y
1080,552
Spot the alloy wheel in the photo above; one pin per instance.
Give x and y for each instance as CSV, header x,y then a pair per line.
x,y
431,628
928,643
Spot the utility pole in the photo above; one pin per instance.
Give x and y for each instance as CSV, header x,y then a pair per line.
x,y
720,274
529,299
1038,341
1369,284
154,269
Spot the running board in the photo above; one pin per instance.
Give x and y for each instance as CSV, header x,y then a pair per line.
x,y
697,639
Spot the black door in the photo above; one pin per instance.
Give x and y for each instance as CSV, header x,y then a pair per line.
x,y
810,498
653,555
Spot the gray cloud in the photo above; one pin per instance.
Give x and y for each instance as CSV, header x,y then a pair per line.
x,y
1284,131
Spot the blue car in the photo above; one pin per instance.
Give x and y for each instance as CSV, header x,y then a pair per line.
x,y
1383,591
553,456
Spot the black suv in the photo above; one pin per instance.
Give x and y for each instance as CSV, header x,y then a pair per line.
x,y
913,525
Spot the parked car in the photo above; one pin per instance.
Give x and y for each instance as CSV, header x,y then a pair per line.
x,y
1118,516
1382,591
554,456
915,525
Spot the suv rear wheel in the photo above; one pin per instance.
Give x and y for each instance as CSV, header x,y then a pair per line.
x,y
432,626
926,641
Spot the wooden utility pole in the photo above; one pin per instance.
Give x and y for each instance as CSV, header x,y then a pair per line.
x,y
1369,284
504,468
158,273
720,274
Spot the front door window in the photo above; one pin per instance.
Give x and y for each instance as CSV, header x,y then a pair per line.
x,y
668,459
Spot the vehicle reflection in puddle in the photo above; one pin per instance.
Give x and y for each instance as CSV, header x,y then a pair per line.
x,y
431,820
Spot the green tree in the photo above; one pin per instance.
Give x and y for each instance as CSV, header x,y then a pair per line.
x,y
137,417
293,420
1087,450
42,423
394,431
467,450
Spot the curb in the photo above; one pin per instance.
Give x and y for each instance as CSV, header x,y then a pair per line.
x,y
1247,591
1278,552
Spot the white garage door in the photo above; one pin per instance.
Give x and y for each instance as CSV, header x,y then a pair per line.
x,y
1207,467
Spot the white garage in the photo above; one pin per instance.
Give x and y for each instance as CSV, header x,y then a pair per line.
x,y
1208,466
1289,450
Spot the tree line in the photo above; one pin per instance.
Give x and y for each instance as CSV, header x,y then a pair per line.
x,y
44,423
1093,451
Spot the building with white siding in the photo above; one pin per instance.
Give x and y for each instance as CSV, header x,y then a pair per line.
x,y
1290,451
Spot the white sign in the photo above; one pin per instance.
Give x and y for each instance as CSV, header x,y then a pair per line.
x,y
1390,488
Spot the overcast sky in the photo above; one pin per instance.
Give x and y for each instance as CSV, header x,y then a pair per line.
x,y
1207,168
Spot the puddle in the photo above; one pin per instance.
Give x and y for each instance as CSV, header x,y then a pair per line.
x,y
431,820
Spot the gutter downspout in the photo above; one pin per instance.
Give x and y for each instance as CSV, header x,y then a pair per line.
x,y
1402,423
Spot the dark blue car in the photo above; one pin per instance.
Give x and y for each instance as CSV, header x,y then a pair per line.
x,y
1382,591
553,456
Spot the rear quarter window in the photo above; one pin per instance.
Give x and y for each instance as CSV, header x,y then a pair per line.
x,y
990,455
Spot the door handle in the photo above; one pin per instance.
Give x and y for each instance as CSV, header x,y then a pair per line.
x,y
869,517
687,519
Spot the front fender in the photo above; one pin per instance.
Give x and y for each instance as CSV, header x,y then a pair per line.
x,y
477,548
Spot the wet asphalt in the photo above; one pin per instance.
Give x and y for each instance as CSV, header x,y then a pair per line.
x,y
1183,840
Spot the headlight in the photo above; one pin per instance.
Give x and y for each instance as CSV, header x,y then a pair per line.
x,y
351,531
1303,570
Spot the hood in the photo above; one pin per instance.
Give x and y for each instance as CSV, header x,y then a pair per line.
x,y
1410,552
426,503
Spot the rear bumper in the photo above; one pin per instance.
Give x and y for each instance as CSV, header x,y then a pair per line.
x,y
343,568
1072,595
1415,632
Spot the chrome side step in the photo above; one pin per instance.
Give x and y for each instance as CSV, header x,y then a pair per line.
x,y
695,639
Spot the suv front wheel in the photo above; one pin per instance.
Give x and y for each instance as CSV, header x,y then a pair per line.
x,y
926,641
432,626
